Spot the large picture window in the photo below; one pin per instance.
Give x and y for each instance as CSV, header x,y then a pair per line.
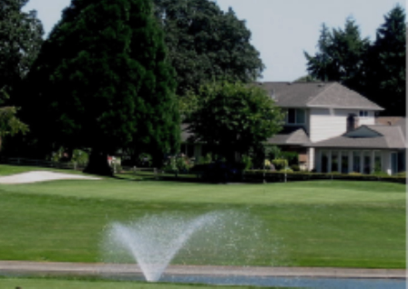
x,y
296,116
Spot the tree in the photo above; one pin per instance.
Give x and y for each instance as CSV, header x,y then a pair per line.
x,y
386,73
234,117
102,82
206,44
20,41
340,57
9,123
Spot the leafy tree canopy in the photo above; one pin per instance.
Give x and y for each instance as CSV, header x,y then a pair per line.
x,y
206,44
234,117
340,55
9,123
386,66
376,70
102,82
20,41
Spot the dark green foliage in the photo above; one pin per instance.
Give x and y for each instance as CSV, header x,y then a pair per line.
x,y
9,123
20,41
102,82
386,73
206,44
291,157
234,117
340,56
375,70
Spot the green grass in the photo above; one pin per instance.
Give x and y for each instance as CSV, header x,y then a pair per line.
x,y
41,283
316,223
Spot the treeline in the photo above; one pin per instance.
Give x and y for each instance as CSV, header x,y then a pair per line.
x,y
110,74
374,69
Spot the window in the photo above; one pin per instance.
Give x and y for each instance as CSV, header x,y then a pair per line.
x,y
377,161
356,161
325,162
367,162
344,162
363,113
335,161
296,116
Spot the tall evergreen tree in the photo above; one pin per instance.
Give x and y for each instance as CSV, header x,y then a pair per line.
x,y
206,43
102,82
341,56
386,73
20,41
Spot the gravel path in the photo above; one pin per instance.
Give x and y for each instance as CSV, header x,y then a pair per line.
x,y
40,176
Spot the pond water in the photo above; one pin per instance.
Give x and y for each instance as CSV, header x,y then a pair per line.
x,y
298,282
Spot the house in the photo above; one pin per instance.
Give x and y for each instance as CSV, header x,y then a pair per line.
x,y
332,128
335,129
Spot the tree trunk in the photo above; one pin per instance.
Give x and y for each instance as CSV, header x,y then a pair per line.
x,y
98,164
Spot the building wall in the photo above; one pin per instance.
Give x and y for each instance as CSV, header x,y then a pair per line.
x,y
326,123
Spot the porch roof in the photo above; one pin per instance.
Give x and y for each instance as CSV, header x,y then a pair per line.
x,y
290,136
389,137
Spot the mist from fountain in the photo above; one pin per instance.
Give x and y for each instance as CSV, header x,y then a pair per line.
x,y
153,241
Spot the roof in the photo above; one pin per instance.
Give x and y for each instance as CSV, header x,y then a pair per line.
x,y
388,120
290,136
382,137
313,94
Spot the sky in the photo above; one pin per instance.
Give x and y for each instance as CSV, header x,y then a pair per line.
x,y
281,29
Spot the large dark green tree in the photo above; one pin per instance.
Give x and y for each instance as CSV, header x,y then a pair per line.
x,y
102,82
206,44
20,41
340,56
234,118
386,73
376,70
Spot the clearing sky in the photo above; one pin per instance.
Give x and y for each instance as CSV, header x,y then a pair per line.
x,y
281,29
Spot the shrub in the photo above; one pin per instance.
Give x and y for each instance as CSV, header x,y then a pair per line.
x,y
291,157
207,159
247,161
287,170
80,157
267,164
144,160
355,174
402,174
280,164
273,152
179,163
380,174
295,168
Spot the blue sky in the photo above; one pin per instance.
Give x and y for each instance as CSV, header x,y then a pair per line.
x,y
281,29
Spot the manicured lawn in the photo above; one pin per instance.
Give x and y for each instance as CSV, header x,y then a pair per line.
x,y
100,284
317,223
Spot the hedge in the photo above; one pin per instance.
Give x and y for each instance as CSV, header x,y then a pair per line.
x,y
260,175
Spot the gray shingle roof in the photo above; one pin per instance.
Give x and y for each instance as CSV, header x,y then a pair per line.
x,y
313,94
290,136
390,137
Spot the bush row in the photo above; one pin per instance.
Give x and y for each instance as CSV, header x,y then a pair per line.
x,y
259,175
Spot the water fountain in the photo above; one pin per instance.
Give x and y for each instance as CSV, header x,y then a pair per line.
x,y
153,241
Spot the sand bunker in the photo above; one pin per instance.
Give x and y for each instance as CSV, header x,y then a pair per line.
x,y
40,176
